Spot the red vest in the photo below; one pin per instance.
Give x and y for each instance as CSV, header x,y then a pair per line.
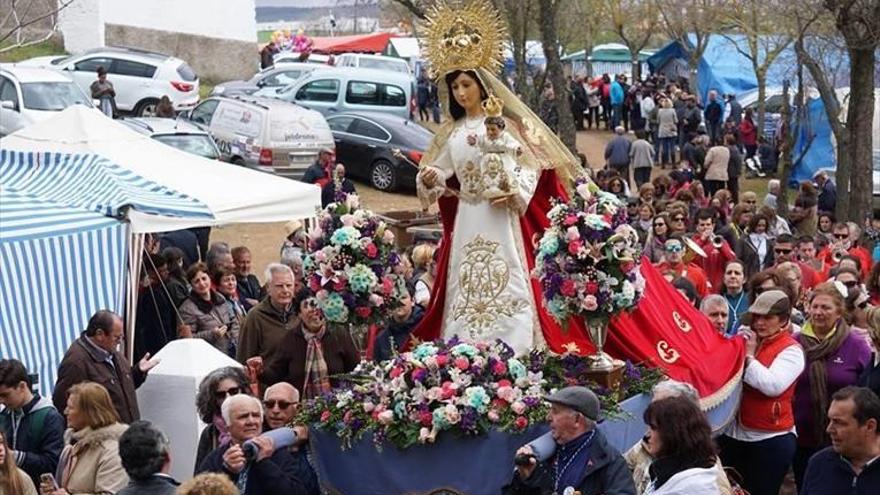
x,y
756,410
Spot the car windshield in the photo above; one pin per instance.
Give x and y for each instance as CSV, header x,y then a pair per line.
x,y
197,144
411,134
372,63
52,96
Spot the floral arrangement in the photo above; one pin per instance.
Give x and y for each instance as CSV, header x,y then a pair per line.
x,y
587,259
455,386
351,263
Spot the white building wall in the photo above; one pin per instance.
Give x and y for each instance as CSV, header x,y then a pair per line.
x,y
224,19
82,24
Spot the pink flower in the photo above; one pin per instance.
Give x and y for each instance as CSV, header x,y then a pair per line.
x,y
369,406
518,407
572,234
320,256
521,422
426,418
504,383
627,266
574,247
570,219
590,303
371,250
376,300
396,371
447,390
387,286
314,284
569,288
386,417
591,288
347,220
348,416
388,237
325,416
499,404
508,394
499,368
462,363
339,284
442,359
493,416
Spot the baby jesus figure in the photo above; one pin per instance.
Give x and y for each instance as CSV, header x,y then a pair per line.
x,y
499,150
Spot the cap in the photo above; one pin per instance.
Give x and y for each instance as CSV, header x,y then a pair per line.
x,y
581,399
771,302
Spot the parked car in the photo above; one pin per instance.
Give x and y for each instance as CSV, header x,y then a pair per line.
x,y
140,77
272,77
380,62
347,89
29,95
263,133
288,57
366,143
177,133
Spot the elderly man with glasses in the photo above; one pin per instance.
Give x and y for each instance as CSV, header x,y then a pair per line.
x,y
281,404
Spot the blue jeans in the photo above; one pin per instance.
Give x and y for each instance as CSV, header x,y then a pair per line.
x,y
616,111
668,145
763,464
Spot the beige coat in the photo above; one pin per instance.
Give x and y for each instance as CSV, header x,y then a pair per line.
x,y
95,464
26,484
716,163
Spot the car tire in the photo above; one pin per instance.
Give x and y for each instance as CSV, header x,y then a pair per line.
x,y
146,108
237,161
383,176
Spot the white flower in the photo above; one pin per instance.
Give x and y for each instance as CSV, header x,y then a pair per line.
x,y
583,191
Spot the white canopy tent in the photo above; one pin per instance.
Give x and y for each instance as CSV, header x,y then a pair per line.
x,y
232,193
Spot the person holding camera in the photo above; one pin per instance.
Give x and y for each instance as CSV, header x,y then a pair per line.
x,y
268,471
584,461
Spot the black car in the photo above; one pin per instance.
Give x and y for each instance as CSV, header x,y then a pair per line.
x,y
379,149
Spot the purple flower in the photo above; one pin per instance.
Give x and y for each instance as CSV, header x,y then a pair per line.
x,y
531,401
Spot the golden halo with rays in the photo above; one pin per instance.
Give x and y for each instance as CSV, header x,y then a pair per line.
x,y
464,36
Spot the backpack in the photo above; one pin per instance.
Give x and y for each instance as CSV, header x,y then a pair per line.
x,y
36,423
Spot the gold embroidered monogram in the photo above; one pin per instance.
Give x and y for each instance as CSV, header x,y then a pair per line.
x,y
483,277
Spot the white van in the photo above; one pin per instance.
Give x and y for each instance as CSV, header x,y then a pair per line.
x,y
263,133
379,62
333,90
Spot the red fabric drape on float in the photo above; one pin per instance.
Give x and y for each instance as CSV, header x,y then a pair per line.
x,y
663,330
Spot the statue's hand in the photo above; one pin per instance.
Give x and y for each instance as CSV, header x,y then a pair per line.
x,y
429,177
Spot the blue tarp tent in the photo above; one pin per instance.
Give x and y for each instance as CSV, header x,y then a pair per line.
x,y
64,249
820,151
721,67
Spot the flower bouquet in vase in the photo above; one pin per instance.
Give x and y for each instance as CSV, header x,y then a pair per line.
x,y
587,263
351,267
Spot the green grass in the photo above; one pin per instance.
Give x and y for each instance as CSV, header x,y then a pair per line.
x,y
50,47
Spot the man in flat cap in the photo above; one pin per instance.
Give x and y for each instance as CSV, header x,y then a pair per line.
x,y
584,462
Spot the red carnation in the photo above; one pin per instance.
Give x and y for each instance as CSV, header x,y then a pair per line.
x,y
521,422
339,285
504,383
363,311
314,284
574,246
591,287
325,416
426,418
442,360
372,250
568,289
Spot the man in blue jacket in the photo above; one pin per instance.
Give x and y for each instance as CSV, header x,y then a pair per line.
x,y
616,95
851,465
33,429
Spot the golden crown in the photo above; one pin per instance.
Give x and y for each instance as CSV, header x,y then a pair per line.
x,y
464,36
493,106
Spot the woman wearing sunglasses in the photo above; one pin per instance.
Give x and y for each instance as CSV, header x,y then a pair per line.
x,y
214,389
655,244
313,351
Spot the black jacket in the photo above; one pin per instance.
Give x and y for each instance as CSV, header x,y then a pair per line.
x,y
274,475
249,288
155,485
606,474
400,332
871,376
36,434
830,474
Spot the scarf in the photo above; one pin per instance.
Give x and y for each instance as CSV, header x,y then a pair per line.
x,y
817,351
206,306
759,241
222,433
317,376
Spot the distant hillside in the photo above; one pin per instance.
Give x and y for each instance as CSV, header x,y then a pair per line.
x,y
272,14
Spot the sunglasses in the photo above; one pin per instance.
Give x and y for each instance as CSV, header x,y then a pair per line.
x,y
678,219
841,236
659,224
222,394
674,248
282,404
851,284
782,251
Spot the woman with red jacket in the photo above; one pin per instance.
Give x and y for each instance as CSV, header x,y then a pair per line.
x,y
761,443
748,134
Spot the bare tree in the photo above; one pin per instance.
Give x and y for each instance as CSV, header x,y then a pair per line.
x,y
691,23
590,16
28,22
765,35
519,17
548,10
633,22
419,8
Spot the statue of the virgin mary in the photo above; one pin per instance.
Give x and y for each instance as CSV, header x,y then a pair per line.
x,y
483,290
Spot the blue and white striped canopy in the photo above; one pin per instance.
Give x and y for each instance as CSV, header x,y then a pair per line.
x,y
94,183
58,266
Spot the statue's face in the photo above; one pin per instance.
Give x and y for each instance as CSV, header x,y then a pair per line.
x,y
493,131
466,91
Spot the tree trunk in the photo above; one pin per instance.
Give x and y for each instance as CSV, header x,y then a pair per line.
x,y
636,70
550,40
785,148
859,118
761,77
588,50
694,77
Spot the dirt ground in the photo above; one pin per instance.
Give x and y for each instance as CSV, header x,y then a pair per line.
x,y
264,239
